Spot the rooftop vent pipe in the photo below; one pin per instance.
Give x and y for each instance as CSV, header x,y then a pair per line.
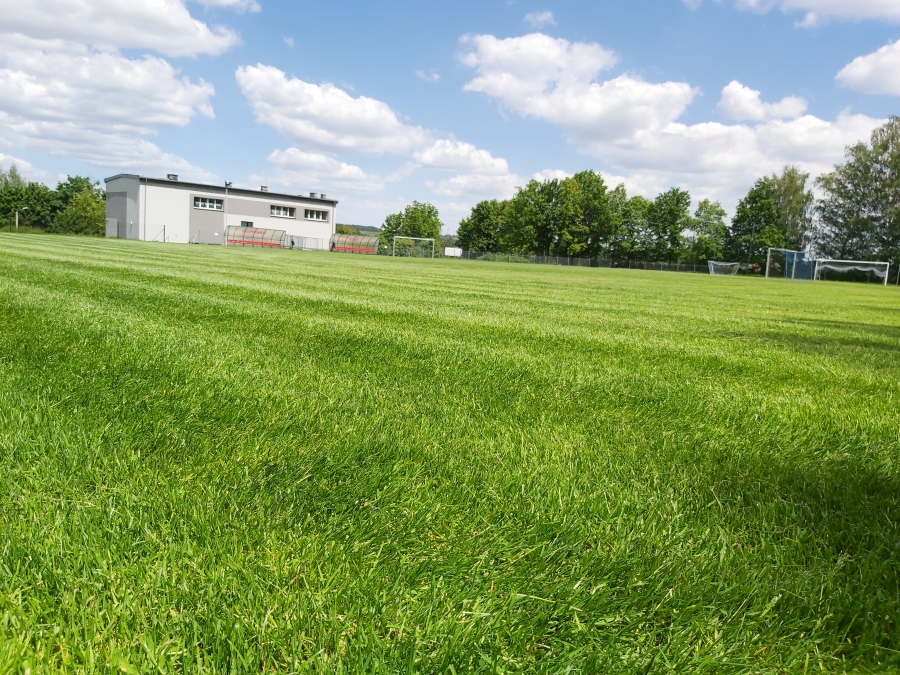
x,y
313,195
172,176
263,188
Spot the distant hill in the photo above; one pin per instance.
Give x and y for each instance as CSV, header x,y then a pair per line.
x,y
362,229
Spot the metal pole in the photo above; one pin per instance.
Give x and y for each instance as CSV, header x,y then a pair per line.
x,y
750,248
225,231
25,208
393,247
816,272
768,262
887,273
145,211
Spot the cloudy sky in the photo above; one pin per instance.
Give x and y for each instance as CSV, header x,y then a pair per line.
x,y
377,104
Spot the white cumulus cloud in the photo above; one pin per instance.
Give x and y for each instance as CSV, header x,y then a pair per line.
x,y
236,5
739,102
324,116
816,12
540,19
300,170
67,89
324,122
457,156
634,127
875,73
554,79
165,26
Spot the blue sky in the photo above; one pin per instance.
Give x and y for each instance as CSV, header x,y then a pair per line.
x,y
380,104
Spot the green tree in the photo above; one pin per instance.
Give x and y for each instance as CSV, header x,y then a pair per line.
x,y
859,213
37,204
11,178
523,219
596,214
668,218
482,230
629,226
795,206
757,224
345,229
419,219
709,233
85,214
569,231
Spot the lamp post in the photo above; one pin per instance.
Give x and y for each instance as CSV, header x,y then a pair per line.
x,y
24,208
225,231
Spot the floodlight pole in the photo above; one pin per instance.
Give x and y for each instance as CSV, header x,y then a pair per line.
x,y
24,208
225,230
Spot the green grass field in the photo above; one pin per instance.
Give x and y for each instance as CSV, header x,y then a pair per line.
x,y
236,461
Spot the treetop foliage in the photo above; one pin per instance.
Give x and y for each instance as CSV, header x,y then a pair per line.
x,y
76,206
416,220
857,217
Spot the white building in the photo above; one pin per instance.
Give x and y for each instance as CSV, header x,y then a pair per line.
x,y
156,209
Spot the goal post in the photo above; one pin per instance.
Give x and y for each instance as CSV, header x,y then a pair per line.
x,y
422,239
718,268
879,269
789,264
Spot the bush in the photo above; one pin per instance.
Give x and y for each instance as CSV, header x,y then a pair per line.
x,y
85,214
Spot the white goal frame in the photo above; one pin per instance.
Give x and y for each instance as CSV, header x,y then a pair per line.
x,y
394,243
861,265
785,251
736,266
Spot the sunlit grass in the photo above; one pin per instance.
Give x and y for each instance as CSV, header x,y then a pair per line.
x,y
249,461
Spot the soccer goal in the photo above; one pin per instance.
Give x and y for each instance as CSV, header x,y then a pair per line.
x,y
718,268
785,263
412,247
857,268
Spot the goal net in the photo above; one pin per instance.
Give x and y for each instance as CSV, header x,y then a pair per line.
x,y
784,263
412,247
852,270
723,268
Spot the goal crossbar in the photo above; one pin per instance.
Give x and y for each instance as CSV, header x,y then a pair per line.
x,y
394,243
880,269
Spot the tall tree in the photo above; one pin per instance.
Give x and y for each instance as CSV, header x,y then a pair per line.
x,y
595,211
709,233
669,216
859,213
482,230
419,219
570,234
523,219
11,178
757,224
37,204
795,206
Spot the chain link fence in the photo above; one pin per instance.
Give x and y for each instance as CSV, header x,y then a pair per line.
x,y
599,262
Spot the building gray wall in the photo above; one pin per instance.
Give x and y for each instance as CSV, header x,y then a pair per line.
x,y
206,227
123,204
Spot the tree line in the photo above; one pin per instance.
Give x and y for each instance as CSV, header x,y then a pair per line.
x,y
76,206
857,216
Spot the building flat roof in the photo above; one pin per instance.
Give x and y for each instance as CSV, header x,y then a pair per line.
x,y
221,188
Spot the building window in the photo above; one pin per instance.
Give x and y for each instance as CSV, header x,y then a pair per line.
x,y
208,204
246,223
316,215
283,211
